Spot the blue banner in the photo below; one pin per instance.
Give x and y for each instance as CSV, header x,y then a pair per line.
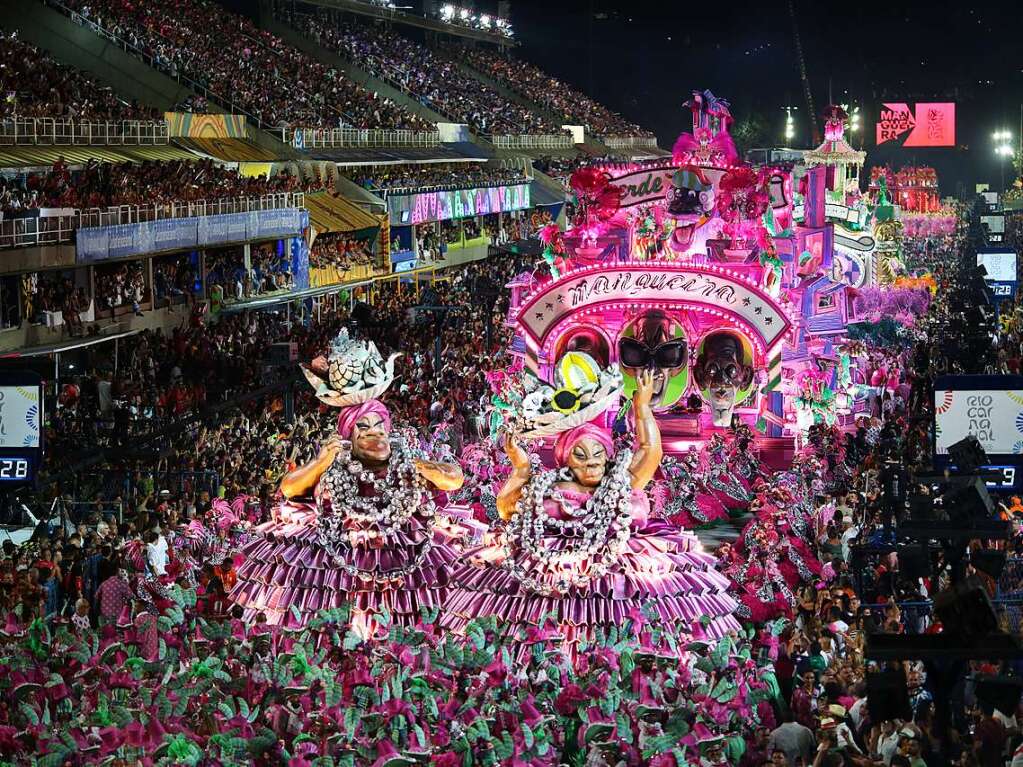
x,y
300,262
125,240
92,244
273,224
227,227
174,234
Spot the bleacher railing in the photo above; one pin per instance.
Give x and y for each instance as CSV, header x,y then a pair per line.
x,y
54,226
628,142
369,138
65,131
400,191
532,142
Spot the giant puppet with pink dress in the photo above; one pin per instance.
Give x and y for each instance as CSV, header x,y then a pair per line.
x,y
362,527
580,551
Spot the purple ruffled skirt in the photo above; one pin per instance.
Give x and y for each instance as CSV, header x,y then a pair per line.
x,y
289,577
661,568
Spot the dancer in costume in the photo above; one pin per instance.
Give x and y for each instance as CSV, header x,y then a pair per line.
x,y
368,538
578,547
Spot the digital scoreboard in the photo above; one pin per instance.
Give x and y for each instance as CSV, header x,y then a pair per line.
x,y
990,408
21,433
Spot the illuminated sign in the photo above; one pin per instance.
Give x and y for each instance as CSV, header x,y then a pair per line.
x,y
925,124
994,417
456,203
695,288
644,186
1000,264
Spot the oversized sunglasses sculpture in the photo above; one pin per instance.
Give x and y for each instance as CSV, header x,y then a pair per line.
x,y
633,353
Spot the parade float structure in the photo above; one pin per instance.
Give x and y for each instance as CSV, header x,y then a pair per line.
x,y
695,267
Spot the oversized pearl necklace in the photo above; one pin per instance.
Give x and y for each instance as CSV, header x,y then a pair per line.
x,y
594,534
397,496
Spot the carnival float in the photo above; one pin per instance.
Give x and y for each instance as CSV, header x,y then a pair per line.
x,y
733,284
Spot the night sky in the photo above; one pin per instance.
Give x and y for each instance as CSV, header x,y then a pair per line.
x,y
648,56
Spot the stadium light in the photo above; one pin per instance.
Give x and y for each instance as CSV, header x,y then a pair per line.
x,y
464,13
854,119
447,11
485,20
790,124
1002,146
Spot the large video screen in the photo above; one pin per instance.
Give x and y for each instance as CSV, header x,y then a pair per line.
x,y
1000,265
918,125
989,408
20,416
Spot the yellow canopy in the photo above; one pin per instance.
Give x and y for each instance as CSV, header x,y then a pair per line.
x,y
31,156
329,213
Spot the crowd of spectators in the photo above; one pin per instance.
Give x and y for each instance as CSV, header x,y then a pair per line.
x,y
819,714
561,100
34,85
174,276
120,284
153,182
561,168
436,81
243,67
339,250
438,176
268,271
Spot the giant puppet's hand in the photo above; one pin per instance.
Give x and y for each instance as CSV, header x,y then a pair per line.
x,y
511,491
443,476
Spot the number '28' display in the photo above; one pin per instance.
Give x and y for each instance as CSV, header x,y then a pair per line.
x,y
15,469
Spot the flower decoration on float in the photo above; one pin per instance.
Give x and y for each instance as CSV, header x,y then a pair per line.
x,y
352,373
742,198
598,198
532,408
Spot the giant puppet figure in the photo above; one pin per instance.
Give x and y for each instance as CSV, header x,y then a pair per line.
x,y
578,548
359,524
655,342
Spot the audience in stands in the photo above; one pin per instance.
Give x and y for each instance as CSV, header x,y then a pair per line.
x,y
243,67
437,176
174,276
339,250
154,182
437,82
32,84
120,284
162,378
561,168
268,271
564,102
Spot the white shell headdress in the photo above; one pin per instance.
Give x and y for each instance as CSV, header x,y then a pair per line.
x,y
353,372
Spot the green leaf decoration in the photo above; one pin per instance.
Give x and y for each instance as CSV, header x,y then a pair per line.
x,y
624,727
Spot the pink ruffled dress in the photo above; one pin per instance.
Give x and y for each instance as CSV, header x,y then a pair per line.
x,y
289,576
660,566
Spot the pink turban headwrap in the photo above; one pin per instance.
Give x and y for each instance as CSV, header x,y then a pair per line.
x,y
349,415
563,446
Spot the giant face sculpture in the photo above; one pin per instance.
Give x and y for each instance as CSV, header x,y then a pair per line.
x,y
723,374
690,201
654,341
